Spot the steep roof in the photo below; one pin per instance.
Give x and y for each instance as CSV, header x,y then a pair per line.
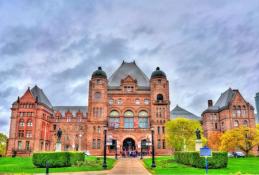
x,y
72,109
223,101
131,69
179,112
42,98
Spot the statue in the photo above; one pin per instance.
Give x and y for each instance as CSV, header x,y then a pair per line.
x,y
198,134
59,134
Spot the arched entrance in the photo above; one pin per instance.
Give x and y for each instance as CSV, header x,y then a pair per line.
x,y
129,144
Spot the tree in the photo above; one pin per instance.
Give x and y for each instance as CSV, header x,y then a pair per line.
x,y
214,140
3,140
244,138
180,134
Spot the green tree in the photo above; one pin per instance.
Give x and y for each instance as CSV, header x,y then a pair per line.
x,y
180,134
244,138
3,140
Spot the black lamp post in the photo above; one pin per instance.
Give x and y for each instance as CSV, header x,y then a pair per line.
x,y
116,155
104,148
141,150
153,149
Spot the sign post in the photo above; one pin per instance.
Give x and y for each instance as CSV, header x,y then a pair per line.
x,y
205,152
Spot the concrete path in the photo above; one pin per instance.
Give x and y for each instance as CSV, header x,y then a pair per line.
x,y
123,166
129,166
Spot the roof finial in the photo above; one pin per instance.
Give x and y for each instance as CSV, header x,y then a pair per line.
x,y
157,68
18,99
99,68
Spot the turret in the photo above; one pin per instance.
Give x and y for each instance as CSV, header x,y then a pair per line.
x,y
97,101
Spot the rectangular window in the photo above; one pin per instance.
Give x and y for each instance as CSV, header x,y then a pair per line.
x,y
114,122
28,134
98,129
94,144
21,133
164,144
98,143
158,130
143,122
158,144
27,145
19,145
54,127
128,122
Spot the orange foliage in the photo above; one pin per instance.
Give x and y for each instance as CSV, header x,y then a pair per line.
x,y
214,140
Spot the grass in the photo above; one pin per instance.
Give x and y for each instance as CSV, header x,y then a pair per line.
x,y
166,165
24,165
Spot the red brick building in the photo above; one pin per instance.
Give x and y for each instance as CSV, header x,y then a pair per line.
x,y
129,104
230,111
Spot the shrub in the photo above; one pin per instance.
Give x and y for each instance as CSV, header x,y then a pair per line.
x,y
56,159
218,159
76,156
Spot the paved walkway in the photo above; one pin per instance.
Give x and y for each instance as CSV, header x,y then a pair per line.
x,y
123,166
129,166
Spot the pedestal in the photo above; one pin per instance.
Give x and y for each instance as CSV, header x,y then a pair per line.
x,y
58,147
198,145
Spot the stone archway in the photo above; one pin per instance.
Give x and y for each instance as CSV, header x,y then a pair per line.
x,y
129,144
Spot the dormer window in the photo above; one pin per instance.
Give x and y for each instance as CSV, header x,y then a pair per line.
x,y
98,81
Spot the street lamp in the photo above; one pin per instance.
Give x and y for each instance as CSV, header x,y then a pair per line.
x,y
104,148
153,149
141,149
116,155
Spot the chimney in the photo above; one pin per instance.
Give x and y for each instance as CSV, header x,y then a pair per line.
x,y
210,103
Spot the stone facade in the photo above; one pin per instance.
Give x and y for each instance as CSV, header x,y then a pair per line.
x,y
230,111
128,104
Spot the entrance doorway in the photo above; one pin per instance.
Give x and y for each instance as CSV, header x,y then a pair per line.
x,y
129,148
129,144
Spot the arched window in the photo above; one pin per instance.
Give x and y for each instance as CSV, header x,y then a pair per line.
x,y
238,111
114,120
128,114
29,123
236,123
97,95
114,113
143,114
128,119
143,119
159,97
21,122
245,123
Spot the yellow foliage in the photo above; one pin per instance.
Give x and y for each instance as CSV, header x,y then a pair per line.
x,y
180,134
244,138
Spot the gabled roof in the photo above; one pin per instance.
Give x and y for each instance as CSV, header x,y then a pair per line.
x,y
126,69
179,112
42,98
223,101
72,109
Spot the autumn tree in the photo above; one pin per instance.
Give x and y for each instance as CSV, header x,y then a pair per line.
x,y
214,140
3,140
244,138
180,134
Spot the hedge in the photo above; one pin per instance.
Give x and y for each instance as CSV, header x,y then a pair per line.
x,y
57,159
218,159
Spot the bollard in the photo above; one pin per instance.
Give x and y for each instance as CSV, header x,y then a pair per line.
x,y
47,168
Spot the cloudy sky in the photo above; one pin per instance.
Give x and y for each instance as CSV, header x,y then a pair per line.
x,y
204,47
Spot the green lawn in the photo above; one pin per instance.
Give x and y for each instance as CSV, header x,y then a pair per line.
x,y
24,165
166,165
